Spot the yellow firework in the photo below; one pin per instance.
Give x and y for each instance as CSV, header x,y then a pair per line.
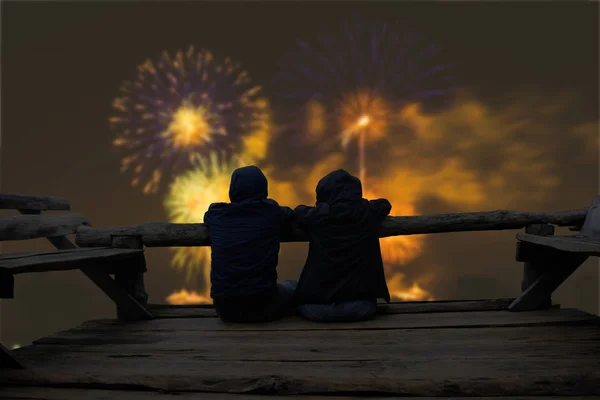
x,y
188,199
191,126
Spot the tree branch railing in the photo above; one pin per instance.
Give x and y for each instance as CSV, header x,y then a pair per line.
x,y
162,234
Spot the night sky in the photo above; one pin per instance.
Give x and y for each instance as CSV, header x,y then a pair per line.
x,y
533,64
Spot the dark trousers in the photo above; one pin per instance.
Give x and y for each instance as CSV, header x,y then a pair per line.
x,y
263,307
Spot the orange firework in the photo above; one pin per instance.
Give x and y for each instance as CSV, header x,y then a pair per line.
x,y
399,290
364,114
399,249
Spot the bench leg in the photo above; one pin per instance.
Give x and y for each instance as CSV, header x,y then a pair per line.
x,y
131,309
544,273
131,279
128,308
7,360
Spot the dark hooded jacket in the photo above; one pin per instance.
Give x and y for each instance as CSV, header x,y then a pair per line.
x,y
245,237
344,258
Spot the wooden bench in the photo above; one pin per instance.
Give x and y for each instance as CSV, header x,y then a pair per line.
x,y
124,259
549,260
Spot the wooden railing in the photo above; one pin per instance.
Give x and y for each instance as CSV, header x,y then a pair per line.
x,y
162,234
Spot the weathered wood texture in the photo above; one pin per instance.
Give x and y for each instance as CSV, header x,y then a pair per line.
x,y
204,311
37,203
78,394
454,354
565,243
166,234
63,260
24,227
195,326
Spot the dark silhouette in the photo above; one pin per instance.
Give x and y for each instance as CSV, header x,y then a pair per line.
x,y
343,276
245,236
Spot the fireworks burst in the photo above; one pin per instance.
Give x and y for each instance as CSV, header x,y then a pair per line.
x,y
188,199
348,77
180,106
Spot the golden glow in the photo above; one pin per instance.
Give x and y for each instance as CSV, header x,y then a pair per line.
x,y
484,157
189,127
182,297
16,346
364,113
400,291
256,143
363,121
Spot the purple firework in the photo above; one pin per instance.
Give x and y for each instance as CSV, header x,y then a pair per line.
x,y
178,107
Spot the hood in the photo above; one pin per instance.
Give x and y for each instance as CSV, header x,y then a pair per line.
x,y
337,187
248,183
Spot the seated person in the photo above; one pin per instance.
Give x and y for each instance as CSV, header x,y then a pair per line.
x,y
245,237
343,276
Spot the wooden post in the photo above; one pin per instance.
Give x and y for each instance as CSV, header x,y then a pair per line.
x,y
534,259
7,285
131,278
544,270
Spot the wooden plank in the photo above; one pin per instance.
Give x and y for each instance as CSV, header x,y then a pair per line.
x,y
475,376
24,227
39,203
310,346
155,234
570,244
77,394
204,311
7,359
62,260
399,321
429,362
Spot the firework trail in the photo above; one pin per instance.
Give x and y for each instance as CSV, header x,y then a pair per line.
x,y
351,83
179,106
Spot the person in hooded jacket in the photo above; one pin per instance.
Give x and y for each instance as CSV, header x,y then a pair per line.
x,y
245,240
343,276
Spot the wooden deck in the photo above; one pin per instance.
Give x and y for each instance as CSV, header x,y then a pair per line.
x,y
450,349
